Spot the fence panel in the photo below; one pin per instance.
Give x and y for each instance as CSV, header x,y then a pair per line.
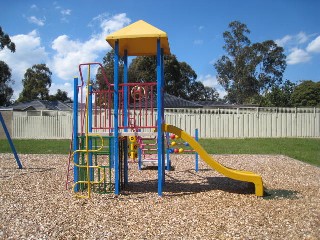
x,y
212,123
42,127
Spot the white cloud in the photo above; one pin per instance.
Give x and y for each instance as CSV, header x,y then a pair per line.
x,y
314,46
37,21
70,53
298,55
67,87
29,51
293,40
283,41
299,47
302,37
67,54
33,6
65,12
211,81
114,23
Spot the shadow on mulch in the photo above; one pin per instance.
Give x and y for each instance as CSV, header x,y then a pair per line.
x,y
184,187
272,194
176,186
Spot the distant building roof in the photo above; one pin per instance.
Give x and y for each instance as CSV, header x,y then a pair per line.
x,y
171,101
41,105
2,108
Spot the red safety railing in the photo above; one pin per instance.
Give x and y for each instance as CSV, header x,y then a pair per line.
x,y
141,103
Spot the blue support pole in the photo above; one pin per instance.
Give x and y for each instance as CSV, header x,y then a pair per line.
x,y
197,155
13,149
125,112
90,130
139,158
75,133
168,167
162,83
162,114
159,121
116,118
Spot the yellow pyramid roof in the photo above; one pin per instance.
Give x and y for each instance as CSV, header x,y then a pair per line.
x,y
139,39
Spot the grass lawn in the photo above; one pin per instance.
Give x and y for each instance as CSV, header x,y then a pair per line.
x,y
306,150
31,146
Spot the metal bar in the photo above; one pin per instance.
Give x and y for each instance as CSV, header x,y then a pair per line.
x,y
13,149
75,134
90,125
197,155
159,121
116,117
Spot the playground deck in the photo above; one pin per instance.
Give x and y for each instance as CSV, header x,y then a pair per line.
x,y
203,205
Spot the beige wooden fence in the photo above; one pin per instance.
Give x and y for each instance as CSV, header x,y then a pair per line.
x,y
212,123
46,125
248,122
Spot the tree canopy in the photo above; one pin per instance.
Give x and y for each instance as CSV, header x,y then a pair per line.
x,y
5,41
306,94
6,91
36,83
180,78
248,70
60,96
279,96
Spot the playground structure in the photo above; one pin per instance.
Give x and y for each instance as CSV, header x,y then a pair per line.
x,y
115,124
13,149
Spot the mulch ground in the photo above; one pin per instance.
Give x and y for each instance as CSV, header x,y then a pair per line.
x,y
195,205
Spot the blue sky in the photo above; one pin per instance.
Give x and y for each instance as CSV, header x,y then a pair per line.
x,y
63,34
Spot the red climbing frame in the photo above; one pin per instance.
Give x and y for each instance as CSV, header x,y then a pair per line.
x,y
141,105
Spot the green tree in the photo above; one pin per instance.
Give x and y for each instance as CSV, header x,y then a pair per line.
x,y
180,78
5,41
279,96
6,91
143,69
248,70
185,82
60,96
306,94
211,94
36,83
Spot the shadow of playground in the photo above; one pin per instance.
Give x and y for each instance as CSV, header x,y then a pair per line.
x,y
185,187
273,194
175,187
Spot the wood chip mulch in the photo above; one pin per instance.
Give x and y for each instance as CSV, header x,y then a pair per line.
x,y
195,205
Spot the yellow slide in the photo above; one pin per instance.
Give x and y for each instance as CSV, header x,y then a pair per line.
x,y
228,172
